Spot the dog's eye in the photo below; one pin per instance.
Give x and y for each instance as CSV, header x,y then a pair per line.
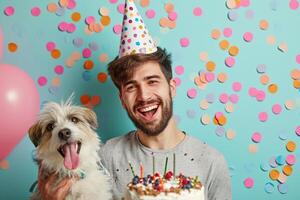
x,y
50,127
74,120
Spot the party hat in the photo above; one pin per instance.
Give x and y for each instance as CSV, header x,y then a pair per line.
x,y
135,37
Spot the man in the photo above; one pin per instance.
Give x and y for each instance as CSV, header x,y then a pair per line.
x,y
146,90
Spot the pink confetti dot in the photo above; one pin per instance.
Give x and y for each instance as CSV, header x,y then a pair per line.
x,y
71,4
86,53
9,11
117,29
209,76
234,98
245,3
297,131
197,11
121,8
252,91
294,4
89,20
192,93
263,116
179,70
218,115
229,61
227,32
50,46
184,42
256,137
59,69
248,182
36,11
42,80
62,26
236,86
113,1
71,28
261,95
298,58
290,159
150,13
248,36
172,16
223,98
276,109
177,81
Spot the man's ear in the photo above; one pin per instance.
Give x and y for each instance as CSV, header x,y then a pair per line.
x,y
173,87
35,133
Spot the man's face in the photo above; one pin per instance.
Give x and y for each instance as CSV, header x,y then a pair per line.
x,y
147,98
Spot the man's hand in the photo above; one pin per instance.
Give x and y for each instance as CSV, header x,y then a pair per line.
x,y
50,189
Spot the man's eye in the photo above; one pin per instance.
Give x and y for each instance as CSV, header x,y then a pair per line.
x,y
130,88
152,82
50,126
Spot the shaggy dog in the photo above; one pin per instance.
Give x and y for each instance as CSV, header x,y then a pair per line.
x,y
67,145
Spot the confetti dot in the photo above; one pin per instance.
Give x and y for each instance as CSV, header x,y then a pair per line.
x,y
205,119
169,7
215,34
224,44
4,164
105,20
264,79
298,58
204,104
102,77
248,36
280,160
71,4
42,80
263,116
210,98
103,57
232,15
76,16
274,174
252,91
233,50
184,42
197,11
249,182
282,188
271,39
144,3
289,104
71,28
264,167
179,70
290,159
78,42
230,134
113,1
229,61
282,47
9,11
272,88
229,107
177,81
88,64
252,148
298,130
220,131
95,100
63,26
55,53
86,53
269,187
222,77
227,32
36,11
287,170
121,8
209,77
89,20
59,69
52,7
150,13
291,146
172,16
85,99
249,14
272,162
192,93
103,11
12,47
236,86
86,75
261,95
261,68
94,46
276,109
256,137
223,98
234,98
294,4
117,29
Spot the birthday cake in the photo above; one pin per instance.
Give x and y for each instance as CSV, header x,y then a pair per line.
x,y
167,187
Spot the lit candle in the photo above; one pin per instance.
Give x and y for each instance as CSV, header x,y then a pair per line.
x,y
153,163
174,166
141,171
133,174
166,165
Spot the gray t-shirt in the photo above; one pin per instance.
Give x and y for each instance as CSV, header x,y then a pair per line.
x,y
192,158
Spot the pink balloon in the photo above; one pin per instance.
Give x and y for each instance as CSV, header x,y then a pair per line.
x,y
19,106
1,43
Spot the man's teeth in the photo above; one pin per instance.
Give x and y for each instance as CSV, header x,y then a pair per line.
x,y
146,109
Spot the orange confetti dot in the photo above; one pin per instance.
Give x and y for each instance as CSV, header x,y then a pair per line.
x,y
295,74
271,39
163,22
210,66
169,7
98,27
274,174
215,34
56,81
296,84
203,56
102,77
105,20
222,77
144,3
263,24
12,47
95,100
291,146
273,88
85,99
264,79
55,53
63,3
52,7
253,148
287,170
171,24
222,120
233,50
75,16
224,44
103,58
4,164
88,64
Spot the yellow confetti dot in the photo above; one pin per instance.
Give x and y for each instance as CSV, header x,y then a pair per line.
x,y
12,47
296,84
233,50
224,44
210,66
291,146
273,88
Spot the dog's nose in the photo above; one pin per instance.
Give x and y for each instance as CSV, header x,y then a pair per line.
x,y
64,134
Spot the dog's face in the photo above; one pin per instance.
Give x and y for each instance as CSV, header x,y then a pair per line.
x,y
64,136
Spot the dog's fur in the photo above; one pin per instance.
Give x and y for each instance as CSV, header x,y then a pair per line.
x,y
46,135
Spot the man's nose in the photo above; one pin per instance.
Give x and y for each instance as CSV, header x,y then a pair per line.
x,y
144,93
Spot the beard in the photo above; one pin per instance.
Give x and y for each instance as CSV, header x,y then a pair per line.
x,y
150,128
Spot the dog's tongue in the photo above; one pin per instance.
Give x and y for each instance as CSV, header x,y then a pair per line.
x,y
71,159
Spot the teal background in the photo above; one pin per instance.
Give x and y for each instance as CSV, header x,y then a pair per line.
x,y
32,34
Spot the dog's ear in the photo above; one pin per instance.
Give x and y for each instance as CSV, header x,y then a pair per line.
x,y
91,117
35,133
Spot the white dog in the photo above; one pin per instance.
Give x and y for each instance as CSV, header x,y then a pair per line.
x,y
67,145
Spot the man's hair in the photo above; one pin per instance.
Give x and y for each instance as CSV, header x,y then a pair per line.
x,y
121,69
